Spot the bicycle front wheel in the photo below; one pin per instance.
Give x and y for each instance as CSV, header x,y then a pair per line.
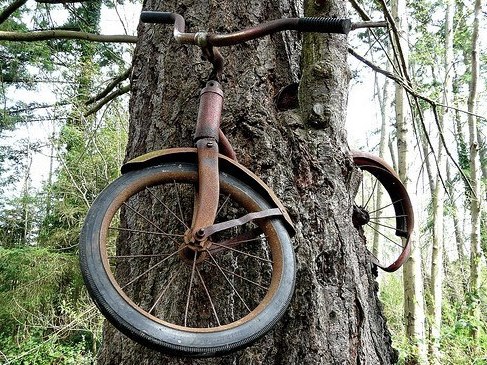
x,y
158,290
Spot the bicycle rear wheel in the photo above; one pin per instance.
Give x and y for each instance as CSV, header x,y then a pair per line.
x,y
156,289
383,208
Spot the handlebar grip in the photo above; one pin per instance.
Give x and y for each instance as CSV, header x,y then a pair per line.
x,y
159,17
324,25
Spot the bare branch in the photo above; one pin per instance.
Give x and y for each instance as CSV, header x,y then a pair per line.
x,y
411,91
9,10
106,100
64,34
408,88
110,87
363,14
398,52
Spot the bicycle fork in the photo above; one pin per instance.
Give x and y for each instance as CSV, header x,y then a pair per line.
x,y
209,138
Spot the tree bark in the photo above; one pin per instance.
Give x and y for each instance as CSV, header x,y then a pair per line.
x,y
414,314
335,316
475,198
438,195
382,92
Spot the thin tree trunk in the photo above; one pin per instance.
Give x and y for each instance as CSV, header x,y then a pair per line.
x,y
436,283
414,314
27,219
384,112
335,316
460,242
475,198
482,141
438,197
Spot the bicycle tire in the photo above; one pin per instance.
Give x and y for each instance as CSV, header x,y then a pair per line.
x,y
394,228
134,319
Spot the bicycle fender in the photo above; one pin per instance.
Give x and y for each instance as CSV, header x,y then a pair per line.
x,y
188,154
391,182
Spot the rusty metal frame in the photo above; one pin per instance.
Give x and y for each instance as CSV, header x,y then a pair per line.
x,y
206,139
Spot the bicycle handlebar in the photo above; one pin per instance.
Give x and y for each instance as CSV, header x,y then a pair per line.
x,y
306,24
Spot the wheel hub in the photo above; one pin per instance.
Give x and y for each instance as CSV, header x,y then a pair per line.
x,y
193,250
360,216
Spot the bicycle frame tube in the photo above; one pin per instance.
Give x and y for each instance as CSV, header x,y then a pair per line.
x,y
206,137
209,113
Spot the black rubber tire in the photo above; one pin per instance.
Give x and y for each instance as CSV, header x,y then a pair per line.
x,y
145,328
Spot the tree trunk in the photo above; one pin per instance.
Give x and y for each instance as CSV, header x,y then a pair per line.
x,y
335,316
475,198
460,242
414,314
382,92
438,196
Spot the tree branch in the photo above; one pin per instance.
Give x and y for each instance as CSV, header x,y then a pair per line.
x,y
120,91
406,86
363,14
64,34
9,10
410,90
110,87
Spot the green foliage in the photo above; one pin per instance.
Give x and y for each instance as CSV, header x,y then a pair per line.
x,y
38,350
457,344
91,160
12,161
17,57
33,278
44,314
392,296
458,326
483,232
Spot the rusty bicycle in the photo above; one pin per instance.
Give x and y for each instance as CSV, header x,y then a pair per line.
x,y
207,265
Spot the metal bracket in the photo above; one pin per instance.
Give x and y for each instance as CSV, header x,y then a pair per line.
x,y
208,231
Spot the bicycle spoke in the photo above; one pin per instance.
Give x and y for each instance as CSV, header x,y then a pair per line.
x,y
145,232
209,297
189,291
233,273
371,194
385,206
377,261
390,217
167,208
225,202
250,236
381,224
229,282
145,218
242,252
383,235
174,276
150,269
136,256
178,199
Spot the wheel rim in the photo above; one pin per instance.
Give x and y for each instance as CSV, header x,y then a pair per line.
x,y
204,289
385,216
